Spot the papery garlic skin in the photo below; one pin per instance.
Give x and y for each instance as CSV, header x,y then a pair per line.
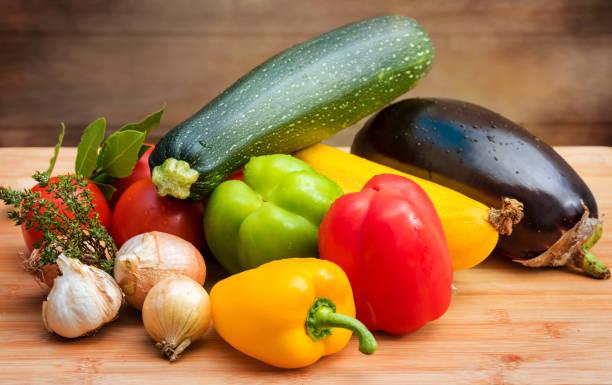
x,y
82,299
146,259
175,313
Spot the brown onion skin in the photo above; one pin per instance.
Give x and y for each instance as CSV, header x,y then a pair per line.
x,y
148,258
485,156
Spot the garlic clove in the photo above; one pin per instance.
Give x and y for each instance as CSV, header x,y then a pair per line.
x,y
146,259
82,299
176,312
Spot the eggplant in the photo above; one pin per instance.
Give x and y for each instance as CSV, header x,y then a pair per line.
x,y
489,158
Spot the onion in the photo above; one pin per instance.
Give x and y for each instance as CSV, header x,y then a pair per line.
x,y
148,258
175,313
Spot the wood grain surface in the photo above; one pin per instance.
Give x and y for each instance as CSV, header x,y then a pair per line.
x,y
506,325
545,64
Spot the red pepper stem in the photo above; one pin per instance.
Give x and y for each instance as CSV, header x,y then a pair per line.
x,y
322,317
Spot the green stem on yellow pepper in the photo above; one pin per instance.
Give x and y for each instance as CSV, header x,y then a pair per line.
x,y
322,317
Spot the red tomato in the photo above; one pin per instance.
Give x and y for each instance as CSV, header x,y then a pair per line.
x,y
141,171
101,206
237,175
140,210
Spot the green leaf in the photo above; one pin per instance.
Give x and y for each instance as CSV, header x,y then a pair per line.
x,y
56,150
147,124
103,178
106,189
119,153
143,149
88,148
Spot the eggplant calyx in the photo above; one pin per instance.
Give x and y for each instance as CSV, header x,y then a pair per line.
x,y
510,213
572,249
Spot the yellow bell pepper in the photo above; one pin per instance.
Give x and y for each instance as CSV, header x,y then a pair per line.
x,y
470,236
288,313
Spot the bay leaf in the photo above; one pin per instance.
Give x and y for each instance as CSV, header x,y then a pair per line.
x,y
106,189
147,124
87,151
119,153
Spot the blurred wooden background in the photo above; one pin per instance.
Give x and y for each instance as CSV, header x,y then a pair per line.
x,y
546,64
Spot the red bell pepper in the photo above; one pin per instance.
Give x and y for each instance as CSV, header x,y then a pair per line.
x,y
389,241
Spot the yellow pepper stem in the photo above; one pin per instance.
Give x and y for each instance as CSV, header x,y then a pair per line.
x,y
322,317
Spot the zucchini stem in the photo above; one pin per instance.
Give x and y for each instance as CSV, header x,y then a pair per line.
x,y
174,177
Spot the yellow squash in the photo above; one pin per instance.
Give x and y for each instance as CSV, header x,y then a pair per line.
x,y
470,236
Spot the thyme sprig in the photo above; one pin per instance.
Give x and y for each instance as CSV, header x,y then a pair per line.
x,y
68,222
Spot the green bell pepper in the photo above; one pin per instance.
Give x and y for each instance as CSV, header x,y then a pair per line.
x,y
275,213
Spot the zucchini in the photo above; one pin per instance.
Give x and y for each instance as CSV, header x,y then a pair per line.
x,y
295,99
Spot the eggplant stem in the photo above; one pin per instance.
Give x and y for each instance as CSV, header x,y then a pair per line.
x,y
573,249
510,213
587,261
594,267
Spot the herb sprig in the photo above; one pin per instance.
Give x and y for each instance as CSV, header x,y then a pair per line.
x,y
68,222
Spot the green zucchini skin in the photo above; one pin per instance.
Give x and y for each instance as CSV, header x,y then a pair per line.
x,y
300,97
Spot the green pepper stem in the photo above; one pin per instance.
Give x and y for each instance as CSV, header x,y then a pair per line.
x,y
322,317
590,264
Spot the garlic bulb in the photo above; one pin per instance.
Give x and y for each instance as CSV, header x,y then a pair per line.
x,y
82,299
175,313
146,259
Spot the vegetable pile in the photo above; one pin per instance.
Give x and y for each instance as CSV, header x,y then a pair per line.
x,y
319,244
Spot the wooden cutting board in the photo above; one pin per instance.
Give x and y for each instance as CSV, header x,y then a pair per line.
x,y
506,325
